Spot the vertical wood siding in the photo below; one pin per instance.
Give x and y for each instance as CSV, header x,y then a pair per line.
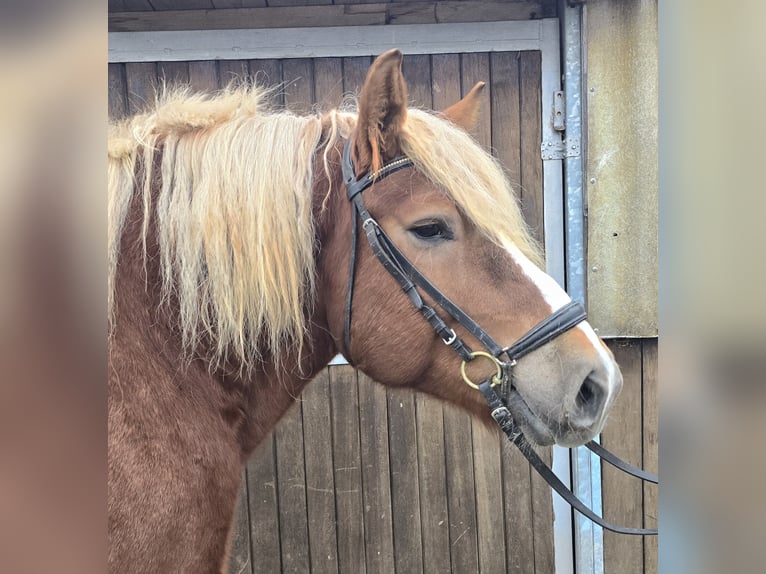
x,y
359,478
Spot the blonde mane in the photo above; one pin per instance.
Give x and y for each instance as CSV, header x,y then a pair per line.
x,y
234,210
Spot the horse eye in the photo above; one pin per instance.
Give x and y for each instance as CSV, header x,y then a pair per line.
x,y
435,230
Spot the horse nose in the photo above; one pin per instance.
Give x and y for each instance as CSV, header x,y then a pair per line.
x,y
589,403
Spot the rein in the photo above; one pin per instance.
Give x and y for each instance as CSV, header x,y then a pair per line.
x,y
504,358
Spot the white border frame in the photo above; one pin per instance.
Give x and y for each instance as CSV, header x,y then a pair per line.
x,y
344,41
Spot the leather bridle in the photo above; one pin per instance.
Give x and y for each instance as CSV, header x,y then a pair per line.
x,y
504,358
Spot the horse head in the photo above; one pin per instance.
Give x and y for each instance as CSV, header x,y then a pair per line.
x,y
452,214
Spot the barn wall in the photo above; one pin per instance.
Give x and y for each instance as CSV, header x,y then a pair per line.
x,y
622,169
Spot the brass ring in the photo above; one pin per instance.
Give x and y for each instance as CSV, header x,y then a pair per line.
x,y
495,380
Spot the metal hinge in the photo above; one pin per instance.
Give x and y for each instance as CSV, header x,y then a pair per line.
x,y
559,111
560,149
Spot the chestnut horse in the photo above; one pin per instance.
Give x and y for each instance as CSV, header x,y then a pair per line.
x,y
229,250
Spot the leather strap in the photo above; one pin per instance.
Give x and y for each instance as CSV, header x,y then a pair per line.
x,y
504,419
551,327
626,467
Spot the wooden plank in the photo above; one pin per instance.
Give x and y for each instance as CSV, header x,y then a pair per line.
x,y
141,81
505,104
240,561
488,482
531,136
233,14
349,508
268,73
203,76
182,5
650,449
445,80
374,431
456,11
291,489
232,72
622,494
298,77
173,73
118,98
247,18
328,83
223,4
351,41
417,73
517,507
354,73
475,68
434,515
263,504
320,480
405,495
542,517
128,5
461,496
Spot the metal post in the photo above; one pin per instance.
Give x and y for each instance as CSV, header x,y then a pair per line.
x,y
586,470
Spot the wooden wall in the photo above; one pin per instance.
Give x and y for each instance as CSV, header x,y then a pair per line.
x,y
632,433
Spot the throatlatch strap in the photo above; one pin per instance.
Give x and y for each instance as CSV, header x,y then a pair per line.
x,y
502,415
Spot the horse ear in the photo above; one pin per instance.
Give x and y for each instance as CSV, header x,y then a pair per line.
x,y
382,113
466,111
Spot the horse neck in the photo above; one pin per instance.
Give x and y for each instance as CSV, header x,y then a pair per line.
x,y
146,333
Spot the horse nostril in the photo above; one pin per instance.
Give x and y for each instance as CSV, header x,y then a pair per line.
x,y
588,403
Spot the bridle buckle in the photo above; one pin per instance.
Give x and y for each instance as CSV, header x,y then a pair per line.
x,y
451,339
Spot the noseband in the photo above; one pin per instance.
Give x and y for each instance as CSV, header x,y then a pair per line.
x,y
503,358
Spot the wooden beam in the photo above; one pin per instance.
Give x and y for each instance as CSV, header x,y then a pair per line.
x,y
332,41
319,16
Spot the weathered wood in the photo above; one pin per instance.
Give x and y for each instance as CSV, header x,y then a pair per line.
x,y
542,517
461,499
517,506
320,479
488,483
118,98
173,73
623,495
240,561
128,5
268,73
650,449
434,515
141,81
374,431
417,74
531,136
222,4
291,489
298,77
322,13
504,101
232,72
354,72
245,18
445,80
328,83
405,495
348,473
475,68
182,5
203,76
264,510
